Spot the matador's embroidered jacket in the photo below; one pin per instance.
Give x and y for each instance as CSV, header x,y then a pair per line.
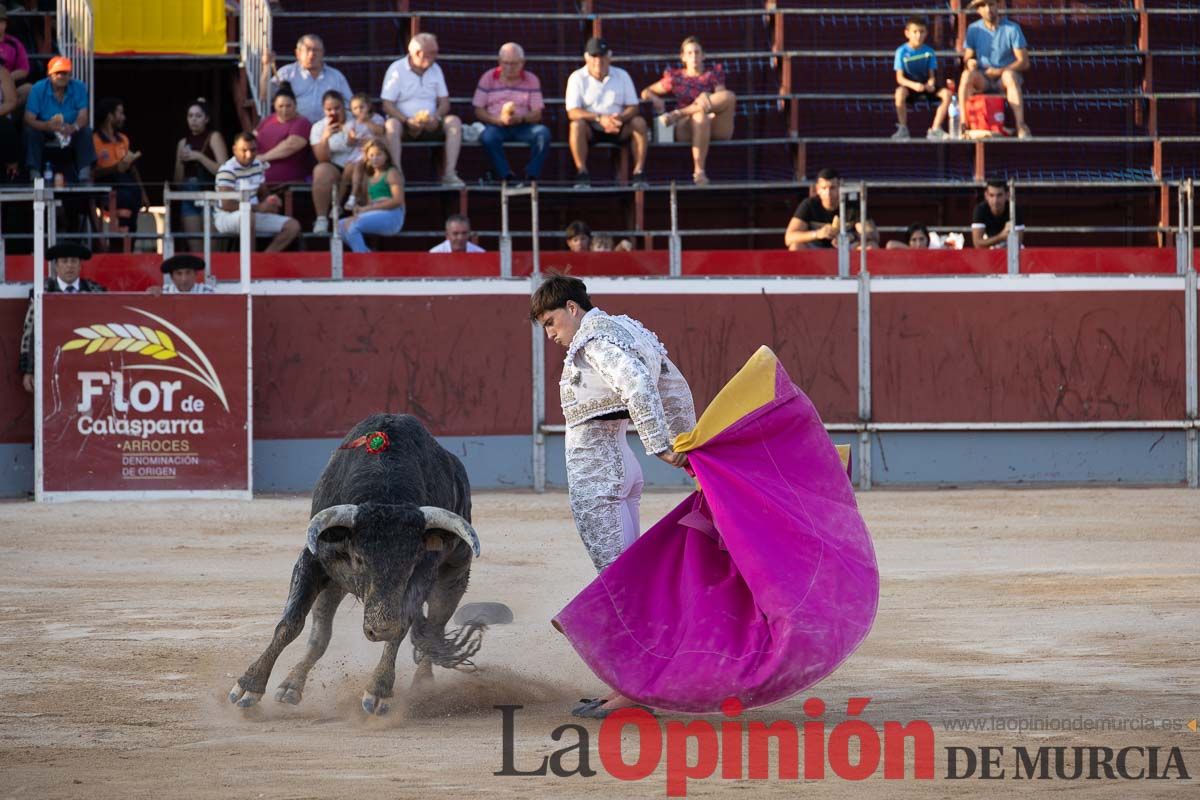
x,y
615,364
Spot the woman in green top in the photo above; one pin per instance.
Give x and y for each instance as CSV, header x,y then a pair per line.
x,y
381,211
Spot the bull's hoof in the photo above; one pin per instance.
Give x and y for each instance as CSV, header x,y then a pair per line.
x,y
372,704
289,694
242,698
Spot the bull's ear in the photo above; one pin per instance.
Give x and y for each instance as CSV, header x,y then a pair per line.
x,y
433,543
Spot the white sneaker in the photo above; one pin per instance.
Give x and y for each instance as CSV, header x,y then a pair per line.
x,y
351,202
936,135
901,134
452,181
321,225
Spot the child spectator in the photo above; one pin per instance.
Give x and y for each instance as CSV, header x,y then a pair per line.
x,y
363,126
380,207
916,79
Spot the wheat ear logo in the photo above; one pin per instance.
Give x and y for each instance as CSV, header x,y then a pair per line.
x,y
153,343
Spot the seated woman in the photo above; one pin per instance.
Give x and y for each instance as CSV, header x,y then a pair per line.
x,y
283,140
380,209
915,238
705,107
198,156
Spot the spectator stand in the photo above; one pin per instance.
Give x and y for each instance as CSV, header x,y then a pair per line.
x,y
757,42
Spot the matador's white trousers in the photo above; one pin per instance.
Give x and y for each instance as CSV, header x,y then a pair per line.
x,y
604,480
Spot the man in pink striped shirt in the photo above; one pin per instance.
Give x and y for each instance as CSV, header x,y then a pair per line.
x,y
508,101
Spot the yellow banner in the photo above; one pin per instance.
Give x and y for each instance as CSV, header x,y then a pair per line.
x,y
196,27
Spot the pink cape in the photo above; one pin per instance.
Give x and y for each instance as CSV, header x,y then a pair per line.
x,y
756,588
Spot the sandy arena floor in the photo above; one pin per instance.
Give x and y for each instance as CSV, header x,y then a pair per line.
x,y
122,627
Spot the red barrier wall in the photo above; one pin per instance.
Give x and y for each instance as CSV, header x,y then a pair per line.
x,y
1027,356
462,363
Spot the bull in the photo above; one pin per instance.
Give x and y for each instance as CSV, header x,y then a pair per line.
x,y
391,525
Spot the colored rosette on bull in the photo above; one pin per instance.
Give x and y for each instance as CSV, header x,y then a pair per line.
x,y
375,442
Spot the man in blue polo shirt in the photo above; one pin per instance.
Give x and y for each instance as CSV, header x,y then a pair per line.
x,y
57,124
995,56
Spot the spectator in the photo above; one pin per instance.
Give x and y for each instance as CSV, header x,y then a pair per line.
x,y
364,126
10,142
508,101
603,243
603,107
198,156
245,172
308,76
116,163
332,148
916,237
380,210
704,107
868,234
458,237
14,59
283,137
990,225
184,271
579,237
417,104
67,264
916,80
995,56
56,123
815,222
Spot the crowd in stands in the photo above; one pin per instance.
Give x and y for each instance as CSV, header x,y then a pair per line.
x,y
322,135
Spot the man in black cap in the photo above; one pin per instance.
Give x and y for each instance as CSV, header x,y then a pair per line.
x,y
602,105
185,272
68,263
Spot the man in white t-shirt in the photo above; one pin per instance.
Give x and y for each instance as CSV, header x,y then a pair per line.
x,y
417,104
602,105
244,172
333,150
458,237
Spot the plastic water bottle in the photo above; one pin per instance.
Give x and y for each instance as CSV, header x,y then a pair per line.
x,y
48,173
955,119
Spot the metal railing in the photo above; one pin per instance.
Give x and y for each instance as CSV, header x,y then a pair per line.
x,y
256,26
77,41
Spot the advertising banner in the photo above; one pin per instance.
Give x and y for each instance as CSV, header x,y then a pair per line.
x,y
144,394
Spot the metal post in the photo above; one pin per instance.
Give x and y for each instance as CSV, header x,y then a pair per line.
x,y
843,241
337,269
207,215
39,272
864,379
1182,239
862,220
506,269
539,361
1191,348
247,243
1012,243
537,250
168,245
675,243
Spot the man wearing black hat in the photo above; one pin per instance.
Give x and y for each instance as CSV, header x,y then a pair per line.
x,y
602,105
184,270
68,263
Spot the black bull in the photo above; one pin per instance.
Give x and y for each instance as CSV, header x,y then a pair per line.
x,y
390,526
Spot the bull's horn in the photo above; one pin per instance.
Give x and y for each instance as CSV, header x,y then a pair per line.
x,y
436,517
333,517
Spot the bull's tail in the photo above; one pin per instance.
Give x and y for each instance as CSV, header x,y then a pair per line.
x,y
452,650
